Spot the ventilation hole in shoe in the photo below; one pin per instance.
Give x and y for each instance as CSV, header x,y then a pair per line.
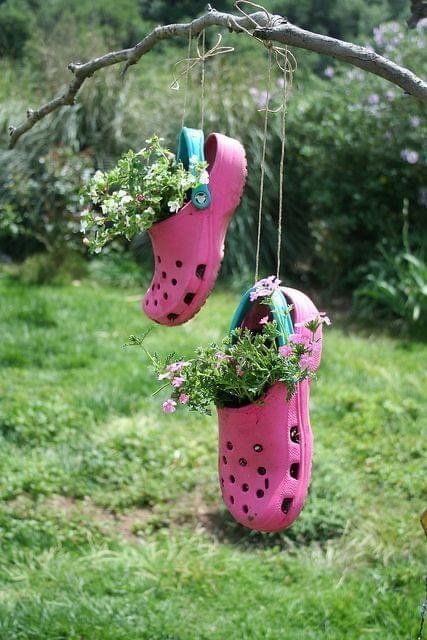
x,y
172,316
260,493
224,459
232,479
258,448
243,462
232,499
294,470
266,483
286,505
159,259
245,508
163,274
222,482
155,303
245,487
188,298
152,288
262,471
158,286
165,295
250,518
200,271
229,445
178,264
295,434
174,281
146,302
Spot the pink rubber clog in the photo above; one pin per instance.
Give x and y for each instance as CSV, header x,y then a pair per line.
x,y
188,247
265,449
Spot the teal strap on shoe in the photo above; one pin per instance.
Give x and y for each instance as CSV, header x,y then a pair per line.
x,y
279,309
191,144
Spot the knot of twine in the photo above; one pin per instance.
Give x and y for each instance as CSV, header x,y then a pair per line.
x,y
284,58
200,57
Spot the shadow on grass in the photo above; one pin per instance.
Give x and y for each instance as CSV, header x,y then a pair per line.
x,y
223,528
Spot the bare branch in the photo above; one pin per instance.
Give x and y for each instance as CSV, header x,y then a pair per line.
x,y
284,32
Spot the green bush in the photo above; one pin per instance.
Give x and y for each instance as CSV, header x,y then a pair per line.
x,y
15,29
354,153
395,285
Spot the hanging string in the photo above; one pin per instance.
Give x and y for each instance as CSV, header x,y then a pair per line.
x,y
190,62
286,61
187,80
262,165
282,165
202,81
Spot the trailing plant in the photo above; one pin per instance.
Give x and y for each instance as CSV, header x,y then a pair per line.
x,y
238,370
143,188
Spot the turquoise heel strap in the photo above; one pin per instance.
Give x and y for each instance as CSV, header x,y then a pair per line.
x,y
279,309
191,144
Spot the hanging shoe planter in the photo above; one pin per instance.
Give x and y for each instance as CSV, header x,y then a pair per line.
x,y
188,247
258,378
265,448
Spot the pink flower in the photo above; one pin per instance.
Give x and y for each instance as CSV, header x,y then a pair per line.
x,y
177,366
305,361
178,381
299,338
220,355
183,398
264,287
264,320
140,197
285,350
169,406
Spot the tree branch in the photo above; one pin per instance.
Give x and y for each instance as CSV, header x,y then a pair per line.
x,y
284,32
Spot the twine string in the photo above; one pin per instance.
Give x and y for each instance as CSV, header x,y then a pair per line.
x,y
187,80
262,164
202,82
190,62
286,62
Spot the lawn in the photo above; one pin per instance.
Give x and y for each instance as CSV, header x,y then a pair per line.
x,y
111,522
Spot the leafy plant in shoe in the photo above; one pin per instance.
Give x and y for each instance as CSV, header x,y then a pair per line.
x,y
143,188
238,370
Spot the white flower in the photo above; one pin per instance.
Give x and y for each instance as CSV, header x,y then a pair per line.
x,y
204,177
193,160
98,177
173,206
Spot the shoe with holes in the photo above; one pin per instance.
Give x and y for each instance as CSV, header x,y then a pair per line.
x,y
188,247
265,449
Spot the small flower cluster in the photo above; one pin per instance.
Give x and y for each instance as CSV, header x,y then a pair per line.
x,y
143,188
265,288
242,367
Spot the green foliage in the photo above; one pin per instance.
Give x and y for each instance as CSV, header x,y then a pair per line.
x,y
396,284
233,373
144,188
39,197
354,153
51,268
15,29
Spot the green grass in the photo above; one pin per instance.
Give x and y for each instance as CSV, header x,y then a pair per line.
x,y
111,524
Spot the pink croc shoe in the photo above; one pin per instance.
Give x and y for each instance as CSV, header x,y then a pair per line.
x,y
188,247
265,449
